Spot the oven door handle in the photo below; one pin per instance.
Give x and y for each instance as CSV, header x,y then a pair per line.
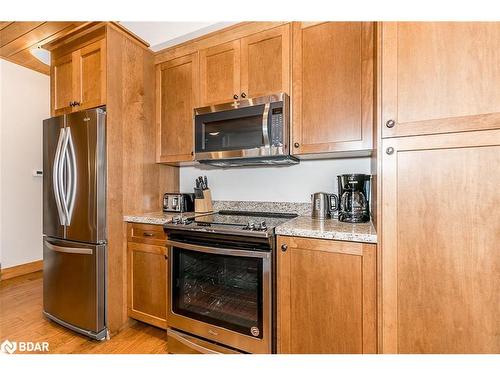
x,y
221,251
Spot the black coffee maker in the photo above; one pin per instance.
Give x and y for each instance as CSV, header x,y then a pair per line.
x,y
354,197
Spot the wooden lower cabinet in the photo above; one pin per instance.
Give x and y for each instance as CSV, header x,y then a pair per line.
x,y
147,274
440,251
326,296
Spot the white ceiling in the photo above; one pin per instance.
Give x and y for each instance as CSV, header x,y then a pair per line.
x,y
165,34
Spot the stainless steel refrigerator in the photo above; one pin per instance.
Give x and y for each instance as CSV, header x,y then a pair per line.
x,y
74,221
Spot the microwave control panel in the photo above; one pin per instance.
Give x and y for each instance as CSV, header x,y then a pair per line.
x,y
277,127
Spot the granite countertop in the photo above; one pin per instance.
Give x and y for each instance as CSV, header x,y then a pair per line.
x,y
330,229
301,226
157,217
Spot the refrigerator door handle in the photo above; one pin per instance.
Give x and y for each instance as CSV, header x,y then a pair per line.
x,y
72,175
61,183
68,250
55,176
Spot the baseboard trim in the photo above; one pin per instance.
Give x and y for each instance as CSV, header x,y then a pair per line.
x,y
22,269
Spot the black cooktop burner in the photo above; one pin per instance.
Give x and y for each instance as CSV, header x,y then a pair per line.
x,y
236,222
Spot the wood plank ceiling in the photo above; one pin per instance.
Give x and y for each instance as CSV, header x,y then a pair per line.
x,y
18,38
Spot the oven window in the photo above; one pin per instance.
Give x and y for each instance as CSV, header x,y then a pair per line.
x,y
225,291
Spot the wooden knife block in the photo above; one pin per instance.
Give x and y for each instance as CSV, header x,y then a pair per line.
x,y
204,205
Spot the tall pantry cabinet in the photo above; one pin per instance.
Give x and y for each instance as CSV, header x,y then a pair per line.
x,y
440,220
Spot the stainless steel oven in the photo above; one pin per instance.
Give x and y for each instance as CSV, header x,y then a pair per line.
x,y
245,132
221,290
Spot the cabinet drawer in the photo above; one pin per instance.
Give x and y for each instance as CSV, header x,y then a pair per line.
x,y
146,233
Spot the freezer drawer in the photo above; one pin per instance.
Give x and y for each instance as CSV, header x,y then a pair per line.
x,y
74,285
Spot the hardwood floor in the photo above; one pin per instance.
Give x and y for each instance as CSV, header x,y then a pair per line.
x,y
21,319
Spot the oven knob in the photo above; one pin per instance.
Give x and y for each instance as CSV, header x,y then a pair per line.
x,y
251,225
186,221
263,226
176,220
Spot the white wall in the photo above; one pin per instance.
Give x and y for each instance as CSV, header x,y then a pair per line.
x,y
274,184
24,103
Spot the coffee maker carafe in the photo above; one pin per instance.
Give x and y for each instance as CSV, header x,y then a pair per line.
x,y
354,193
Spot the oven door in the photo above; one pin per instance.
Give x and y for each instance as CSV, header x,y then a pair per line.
x,y
223,295
245,129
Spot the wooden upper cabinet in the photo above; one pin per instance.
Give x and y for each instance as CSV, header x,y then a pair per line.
x,y
62,84
79,77
332,87
220,73
249,67
177,84
265,62
440,77
440,259
326,296
90,87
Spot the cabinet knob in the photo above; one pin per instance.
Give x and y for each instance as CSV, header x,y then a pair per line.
x,y
389,150
243,95
192,153
76,104
296,145
235,96
390,123
284,247
71,104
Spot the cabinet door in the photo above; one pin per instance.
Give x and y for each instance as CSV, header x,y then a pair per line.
x,y
332,87
220,73
440,77
147,290
177,90
62,84
265,62
326,296
90,85
440,255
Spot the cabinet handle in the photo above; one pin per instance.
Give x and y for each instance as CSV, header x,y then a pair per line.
x,y
71,104
192,153
284,247
76,104
235,96
390,123
389,150
146,234
296,145
243,95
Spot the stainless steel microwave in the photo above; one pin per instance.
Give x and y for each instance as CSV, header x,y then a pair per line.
x,y
245,132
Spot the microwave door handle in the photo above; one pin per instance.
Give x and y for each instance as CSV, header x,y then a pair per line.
x,y
265,125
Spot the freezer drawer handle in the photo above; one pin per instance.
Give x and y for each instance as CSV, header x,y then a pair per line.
x,y
69,250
